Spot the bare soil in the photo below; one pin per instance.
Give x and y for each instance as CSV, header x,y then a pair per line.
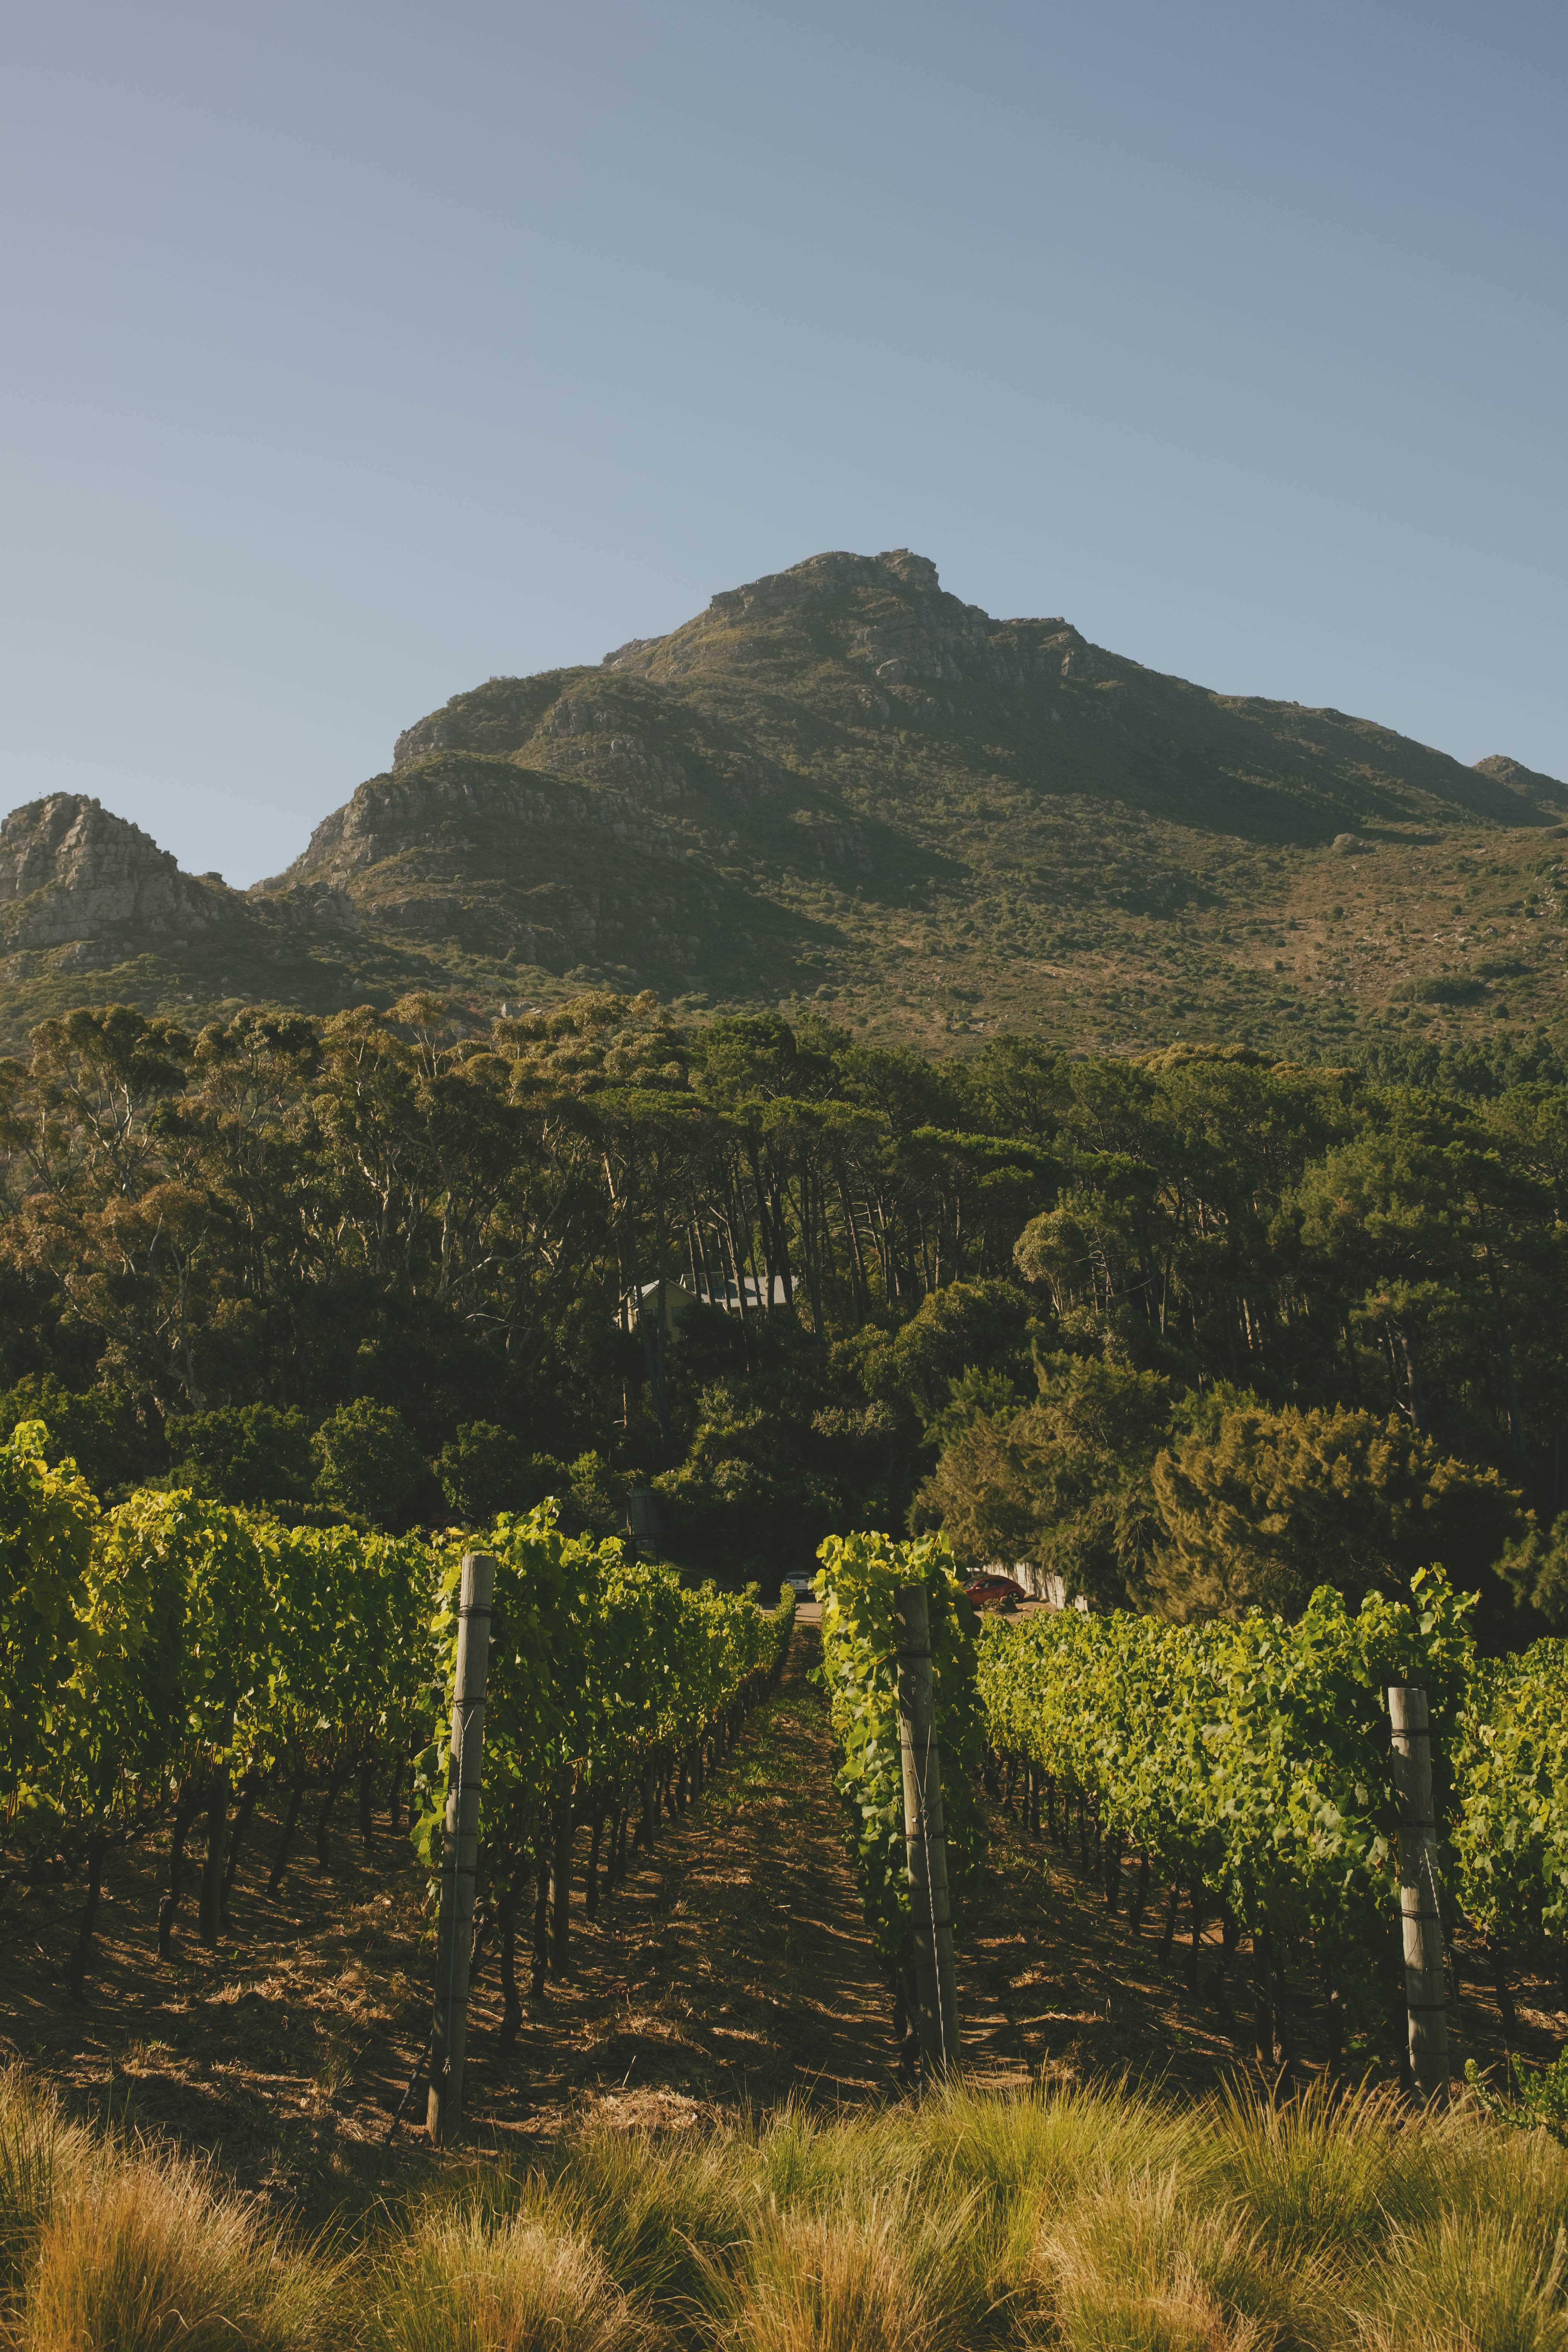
x,y
1055,1984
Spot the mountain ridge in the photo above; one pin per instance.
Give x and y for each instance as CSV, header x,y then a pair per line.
x,y
839,784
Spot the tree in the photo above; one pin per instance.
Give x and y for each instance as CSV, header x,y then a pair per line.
x,y
1535,1569
111,1439
484,1469
962,1324
366,1460
1260,1506
1063,1482
753,1494
243,1453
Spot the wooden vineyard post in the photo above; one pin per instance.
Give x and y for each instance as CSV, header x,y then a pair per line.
x,y
211,1909
925,1839
459,1848
563,1828
1263,2014
1421,1924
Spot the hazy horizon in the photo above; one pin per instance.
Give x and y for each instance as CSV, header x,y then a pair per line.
x,y
359,355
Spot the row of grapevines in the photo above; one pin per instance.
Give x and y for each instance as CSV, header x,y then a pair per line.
x,y
1249,1758
858,1583
167,1661
610,1684
170,1655
1510,1810
46,1519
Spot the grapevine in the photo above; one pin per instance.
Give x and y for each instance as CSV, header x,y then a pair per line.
x,y
859,1582
1247,1759
1510,1809
162,1663
609,1680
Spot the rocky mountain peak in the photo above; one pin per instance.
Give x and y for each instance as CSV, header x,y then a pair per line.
x,y
915,571
886,616
71,868
832,578
838,780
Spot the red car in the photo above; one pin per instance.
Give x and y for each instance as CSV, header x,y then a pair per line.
x,y
995,1592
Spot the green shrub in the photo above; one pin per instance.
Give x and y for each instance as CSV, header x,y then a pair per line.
x,y
367,1460
484,1469
1535,2098
1447,990
243,1453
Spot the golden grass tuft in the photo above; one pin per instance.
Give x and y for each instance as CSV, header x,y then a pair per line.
x,y
1092,2220
40,2152
1137,2270
665,2214
1325,2171
884,2277
1467,2283
144,2256
465,2282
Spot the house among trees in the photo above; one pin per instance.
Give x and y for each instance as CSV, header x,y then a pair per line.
x,y
760,1293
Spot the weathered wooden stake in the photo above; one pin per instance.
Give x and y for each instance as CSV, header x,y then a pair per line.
x,y
925,1840
210,1909
1421,1922
564,1838
1263,2011
459,1848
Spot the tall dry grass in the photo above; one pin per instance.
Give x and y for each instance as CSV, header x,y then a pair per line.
x,y
464,2280
114,2247
667,2216
1093,2219
1135,2269
40,2153
878,2273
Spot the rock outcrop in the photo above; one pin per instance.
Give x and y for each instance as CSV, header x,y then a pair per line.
x,y
314,907
467,846
71,870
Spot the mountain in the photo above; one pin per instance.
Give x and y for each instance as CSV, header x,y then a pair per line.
x,y
73,875
1543,791
82,892
841,784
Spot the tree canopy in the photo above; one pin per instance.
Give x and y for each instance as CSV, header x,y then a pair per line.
x,y
1196,1326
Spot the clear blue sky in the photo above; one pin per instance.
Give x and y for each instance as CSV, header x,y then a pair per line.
x,y
358,352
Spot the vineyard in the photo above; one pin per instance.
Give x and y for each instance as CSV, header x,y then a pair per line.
x,y
989,2214
1241,1770
206,1707
176,1669
1246,1768
165,1662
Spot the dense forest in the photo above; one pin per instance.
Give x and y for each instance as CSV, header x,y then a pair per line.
x,y
1194,1330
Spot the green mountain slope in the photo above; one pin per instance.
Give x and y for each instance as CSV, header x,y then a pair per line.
x,y
842,784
